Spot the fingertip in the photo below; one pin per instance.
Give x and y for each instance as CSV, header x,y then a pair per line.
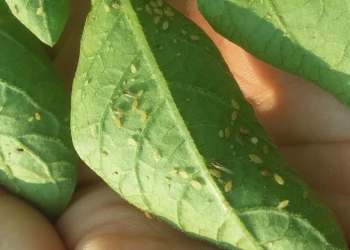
x,y
23,227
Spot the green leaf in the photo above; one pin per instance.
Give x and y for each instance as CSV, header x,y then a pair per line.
x,y
37,159
45,18
305,38
157,114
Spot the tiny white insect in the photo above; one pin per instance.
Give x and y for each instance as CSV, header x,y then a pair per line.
x,y
254,140
160,3
184,32
40,11
169,13
196,184
184,174
156,156
37,116
158,11
130,95
106,7
279,179
156,20
174,172
221,167
131,142
30,119
149,9
215,173
140,93
1,108
221,134
234,115
282,204
235,104
194,37
165,25
153,4
228,186
256,159
266,149
133,68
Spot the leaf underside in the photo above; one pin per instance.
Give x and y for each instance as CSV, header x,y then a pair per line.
x,y
157,114
36,153
44,18
307,38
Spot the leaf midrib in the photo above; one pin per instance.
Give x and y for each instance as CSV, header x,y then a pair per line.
x,y
166,95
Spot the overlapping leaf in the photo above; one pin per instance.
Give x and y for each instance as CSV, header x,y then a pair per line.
x,y
307,38
157,114
36,154
45,18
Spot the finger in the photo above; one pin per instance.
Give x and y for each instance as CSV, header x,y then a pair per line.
x,y
100,219
23,227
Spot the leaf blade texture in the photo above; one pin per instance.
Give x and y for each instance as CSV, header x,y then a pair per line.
x,y
152,114
37,159
305,38
46,19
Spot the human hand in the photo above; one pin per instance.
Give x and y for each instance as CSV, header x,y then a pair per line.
x,y
311,128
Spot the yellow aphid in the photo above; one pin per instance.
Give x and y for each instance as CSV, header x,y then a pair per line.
x,y
143,116
134,105
194,37
149,9
133,68
279,179
215,173
160,3
184,32
221,134
149,215
37,116
227,132
158,11
305,194
1,108
140,93
118,122
169,13
256,159
165,25
174,172
282,204
184,174
266,149
131,142
30,119
39,11
235,104
107,9
228,186
196,184
265,172
234,115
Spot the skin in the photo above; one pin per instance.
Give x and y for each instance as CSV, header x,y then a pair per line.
x,y
310,127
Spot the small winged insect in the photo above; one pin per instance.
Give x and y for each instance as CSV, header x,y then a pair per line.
x,y
118,112
220,167
130,95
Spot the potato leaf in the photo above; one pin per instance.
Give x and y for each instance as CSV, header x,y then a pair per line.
x,y
36,153
157,114
305,38
45,18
